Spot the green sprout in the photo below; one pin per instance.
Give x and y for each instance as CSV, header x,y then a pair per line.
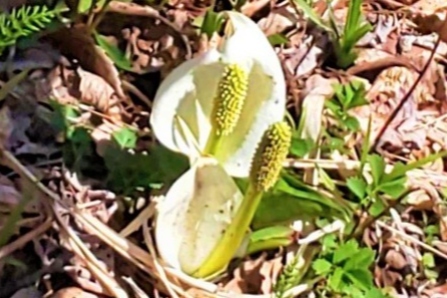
x,y
265,170
344,40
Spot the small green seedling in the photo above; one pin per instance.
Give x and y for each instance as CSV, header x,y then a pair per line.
x,y
392,184
429,264
346,97
210,23
346,269
345,41
294,272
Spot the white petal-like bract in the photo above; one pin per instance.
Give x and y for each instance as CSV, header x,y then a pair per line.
x,y
182,112
194,214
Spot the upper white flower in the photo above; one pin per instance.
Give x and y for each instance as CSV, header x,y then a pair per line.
x,y
182,114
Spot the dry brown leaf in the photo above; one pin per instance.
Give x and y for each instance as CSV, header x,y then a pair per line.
x,y
275,23
370,55
246,279
102,136
30,292
304,59
270,271
250,8
395,259
95,91
196,293
387,278
6,127
392,80
77,43
427,6
255,276
439,290
420,200
83,277
8,192
73,292
442,213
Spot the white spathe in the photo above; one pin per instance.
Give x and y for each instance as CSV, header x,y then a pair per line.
x,y
181,114
194,214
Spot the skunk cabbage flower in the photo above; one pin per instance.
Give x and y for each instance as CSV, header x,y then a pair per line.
x,y
264,172
195,213
221,102
203,220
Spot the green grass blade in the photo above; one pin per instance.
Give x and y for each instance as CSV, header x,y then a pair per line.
x,y
353,16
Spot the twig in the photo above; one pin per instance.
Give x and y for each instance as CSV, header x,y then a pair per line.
x,y
131,88
337,225
135,224
162,274
77,245
412,239
11,247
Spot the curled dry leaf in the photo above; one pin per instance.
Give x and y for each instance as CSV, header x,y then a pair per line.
x,y
395,259
78,43
306,57
430,17
318,89
420,200
95,91
391,80
275,23
247,278
387,278
270,271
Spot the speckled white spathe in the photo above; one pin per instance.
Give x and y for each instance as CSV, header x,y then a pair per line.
x,y
182,110
192,217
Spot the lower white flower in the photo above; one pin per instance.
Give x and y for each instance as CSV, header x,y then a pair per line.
x,y
193,216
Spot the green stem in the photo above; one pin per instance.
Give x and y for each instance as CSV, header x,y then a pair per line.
x,y
361,227
273,243
213,142
232,237
94,22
